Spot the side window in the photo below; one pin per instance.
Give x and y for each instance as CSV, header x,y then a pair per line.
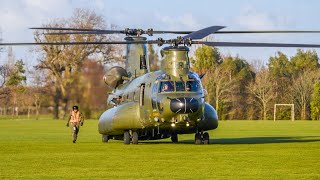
x,y
153,98
142,88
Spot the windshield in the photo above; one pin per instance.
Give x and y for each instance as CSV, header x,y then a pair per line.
x,y
193,86
180,86
166,86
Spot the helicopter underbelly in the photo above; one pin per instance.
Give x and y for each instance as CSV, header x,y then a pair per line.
x,y
126,117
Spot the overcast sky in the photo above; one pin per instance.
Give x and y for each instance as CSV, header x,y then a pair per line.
x,y
16,16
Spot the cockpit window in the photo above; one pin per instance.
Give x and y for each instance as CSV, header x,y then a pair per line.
x,y
180,86
193,86
166,86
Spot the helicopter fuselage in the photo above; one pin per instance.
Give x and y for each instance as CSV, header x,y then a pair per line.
x,y
156,107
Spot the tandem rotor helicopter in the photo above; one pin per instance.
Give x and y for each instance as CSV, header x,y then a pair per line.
x,y
148,105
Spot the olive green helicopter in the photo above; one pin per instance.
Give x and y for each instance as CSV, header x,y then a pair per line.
x,y
145,105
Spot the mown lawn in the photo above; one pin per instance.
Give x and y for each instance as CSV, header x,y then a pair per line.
x,y
42,149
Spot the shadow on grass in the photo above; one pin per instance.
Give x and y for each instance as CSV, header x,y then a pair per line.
x,y
248,140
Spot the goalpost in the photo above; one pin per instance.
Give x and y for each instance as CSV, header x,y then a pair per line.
x,y
275,110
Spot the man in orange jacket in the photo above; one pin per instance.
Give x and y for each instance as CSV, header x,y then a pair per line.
x,y
76,119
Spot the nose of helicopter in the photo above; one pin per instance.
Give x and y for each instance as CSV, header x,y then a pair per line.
x,y
184,105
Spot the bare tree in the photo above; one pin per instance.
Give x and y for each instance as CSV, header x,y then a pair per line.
x,y
302,89
63,63
262,90
219,87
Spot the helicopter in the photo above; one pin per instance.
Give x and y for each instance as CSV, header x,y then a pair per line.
x,y
146,105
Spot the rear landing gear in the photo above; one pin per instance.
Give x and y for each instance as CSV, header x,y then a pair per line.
x,y
127,138
201,138
105,138
134,137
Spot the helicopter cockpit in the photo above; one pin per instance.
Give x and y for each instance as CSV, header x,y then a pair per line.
x,y
179,86
191,85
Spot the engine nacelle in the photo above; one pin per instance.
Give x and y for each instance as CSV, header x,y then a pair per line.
x,y
115,76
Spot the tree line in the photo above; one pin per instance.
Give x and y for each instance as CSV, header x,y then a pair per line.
x,y
239,90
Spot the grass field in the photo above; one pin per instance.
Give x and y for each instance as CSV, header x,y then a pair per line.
x,y
31,149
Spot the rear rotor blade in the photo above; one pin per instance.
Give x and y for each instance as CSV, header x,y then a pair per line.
x,y
86,32
203,32
245,44
78,43
67,29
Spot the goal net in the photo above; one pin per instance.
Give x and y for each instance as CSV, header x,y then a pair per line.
x,y
275,110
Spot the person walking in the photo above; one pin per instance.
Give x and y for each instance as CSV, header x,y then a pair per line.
x,y
75,120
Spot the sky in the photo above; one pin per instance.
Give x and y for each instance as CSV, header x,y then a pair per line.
x,y
16,16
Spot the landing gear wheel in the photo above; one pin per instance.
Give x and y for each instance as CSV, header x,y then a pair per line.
x,y
206,138
105,138
174,137
198,139
135,137
126,137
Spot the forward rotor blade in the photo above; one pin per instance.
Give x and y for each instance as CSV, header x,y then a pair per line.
x,y
117,32
101,31
203,32
263,32
245,44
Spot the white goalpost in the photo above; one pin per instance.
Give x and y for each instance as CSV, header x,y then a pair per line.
x,y
275,110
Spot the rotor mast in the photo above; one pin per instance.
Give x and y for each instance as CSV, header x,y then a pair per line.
x,y
175,61
137,62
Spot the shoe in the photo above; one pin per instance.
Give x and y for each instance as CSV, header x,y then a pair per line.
x,y
74,141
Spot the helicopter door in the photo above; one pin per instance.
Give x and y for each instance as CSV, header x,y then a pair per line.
x,y
142,88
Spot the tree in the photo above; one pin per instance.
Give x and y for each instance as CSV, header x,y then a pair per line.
x,y
280,66
206,58
153,58
240,73
92,92
63,63
15,81
304,61
219,86
301,92
262,90
315,102
225,81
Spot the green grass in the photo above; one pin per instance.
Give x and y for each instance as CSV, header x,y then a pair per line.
x,y
31,149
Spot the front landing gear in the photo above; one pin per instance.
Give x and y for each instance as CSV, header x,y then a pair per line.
x,y
174,137
201,138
